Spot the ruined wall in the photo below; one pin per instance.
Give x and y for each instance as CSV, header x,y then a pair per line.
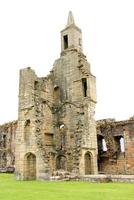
x,y
75,111
119,138
56,119
34,125
110,161
7,146
56,125
56,128
129,147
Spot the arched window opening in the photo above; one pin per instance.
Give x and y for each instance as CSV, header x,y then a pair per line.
x,y
36,85
56,94
61,163
88,163
62,126
30,166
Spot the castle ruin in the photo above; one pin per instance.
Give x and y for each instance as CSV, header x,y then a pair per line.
x,y
56,125
56,130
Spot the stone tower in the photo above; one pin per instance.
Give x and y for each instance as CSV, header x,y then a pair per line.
x,y
56,125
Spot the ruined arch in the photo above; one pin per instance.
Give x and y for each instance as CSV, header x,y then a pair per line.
x,y
61,162
88,163
29,166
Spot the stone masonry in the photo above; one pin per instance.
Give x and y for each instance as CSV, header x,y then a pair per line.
x,y
56,126
7,146
118,158
56,133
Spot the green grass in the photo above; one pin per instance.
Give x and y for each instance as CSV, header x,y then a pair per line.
x,y
44,190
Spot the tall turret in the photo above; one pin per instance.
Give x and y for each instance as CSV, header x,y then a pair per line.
x,y
77,99
71,36
56,125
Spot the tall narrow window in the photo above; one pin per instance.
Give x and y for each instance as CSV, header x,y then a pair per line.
x,y
56,94
36,85
65,38
88,163
104,145
27,132
122,144
84,86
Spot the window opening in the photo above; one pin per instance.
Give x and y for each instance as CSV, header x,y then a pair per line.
x,y
84,85
119,141
65,37
122,144
104,146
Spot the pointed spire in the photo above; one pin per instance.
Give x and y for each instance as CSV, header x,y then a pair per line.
x,y
70,20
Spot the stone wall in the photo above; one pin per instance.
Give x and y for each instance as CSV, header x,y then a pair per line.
x,y
112,161
119,138
7,146
56,125
108,178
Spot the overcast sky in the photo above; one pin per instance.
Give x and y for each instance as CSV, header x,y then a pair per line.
x,y
30,36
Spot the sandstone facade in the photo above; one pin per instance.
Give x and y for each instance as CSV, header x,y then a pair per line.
x,y
7,146
118,157
56,132
56,126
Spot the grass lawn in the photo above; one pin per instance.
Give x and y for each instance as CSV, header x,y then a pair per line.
x,y
10,189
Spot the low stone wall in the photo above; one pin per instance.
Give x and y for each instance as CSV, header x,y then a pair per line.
x,y
108,178
96,178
